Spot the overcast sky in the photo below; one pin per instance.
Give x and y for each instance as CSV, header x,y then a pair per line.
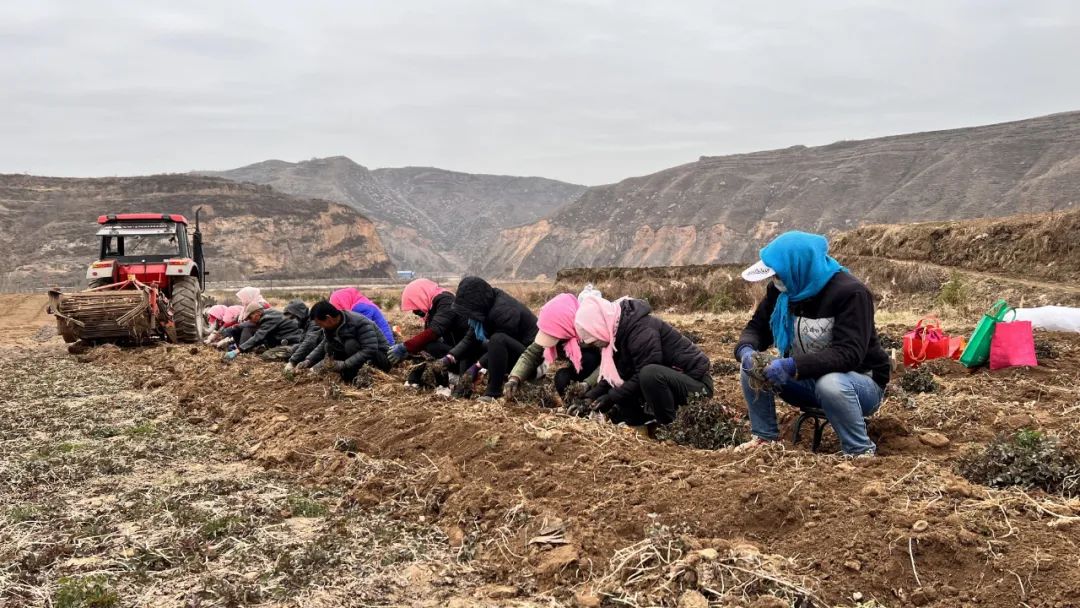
x,y
589,91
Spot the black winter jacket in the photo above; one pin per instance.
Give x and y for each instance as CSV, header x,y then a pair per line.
x,y
642,339
272,330
444,321
312,333
497,310
363,331
834,331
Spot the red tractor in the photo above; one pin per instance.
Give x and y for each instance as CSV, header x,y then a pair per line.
x,y
147,282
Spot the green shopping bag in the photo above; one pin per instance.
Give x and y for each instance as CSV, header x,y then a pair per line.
x,y
978,348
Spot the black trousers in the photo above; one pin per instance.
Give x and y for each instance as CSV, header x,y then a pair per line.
x,y
340,351
663,390
437,349
503,352
590,360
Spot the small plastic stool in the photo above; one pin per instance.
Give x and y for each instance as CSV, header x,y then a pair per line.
x,y
820,422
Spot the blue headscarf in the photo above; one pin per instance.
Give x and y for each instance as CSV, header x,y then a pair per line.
x,y
478,329
802,262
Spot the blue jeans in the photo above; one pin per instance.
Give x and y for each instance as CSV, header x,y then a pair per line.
x,y
846,399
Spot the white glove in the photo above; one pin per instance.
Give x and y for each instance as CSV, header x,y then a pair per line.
x,y
289,367
223,343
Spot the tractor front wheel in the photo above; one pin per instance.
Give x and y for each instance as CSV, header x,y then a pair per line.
x,y
187,310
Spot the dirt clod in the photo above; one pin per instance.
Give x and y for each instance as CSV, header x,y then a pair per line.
x,y
934,440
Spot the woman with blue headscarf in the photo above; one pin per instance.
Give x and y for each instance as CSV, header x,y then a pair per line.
x,y
821,320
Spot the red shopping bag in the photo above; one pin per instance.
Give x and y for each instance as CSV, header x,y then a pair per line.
x,y
1013,345
928,341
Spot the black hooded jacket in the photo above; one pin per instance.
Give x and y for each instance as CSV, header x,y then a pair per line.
x,y
444,321
496,310
642,339
272,330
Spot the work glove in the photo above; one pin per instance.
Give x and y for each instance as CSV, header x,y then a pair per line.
x,y
224,342
746,358
781,371
397,354
335,366
289,367
229,356
443,364
602,404
302,365
511,388
473,372
318,367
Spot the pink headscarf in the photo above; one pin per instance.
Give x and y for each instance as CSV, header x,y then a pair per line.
x,y
216,312
232,314
556,319
247,295
345,299
419,294
599,318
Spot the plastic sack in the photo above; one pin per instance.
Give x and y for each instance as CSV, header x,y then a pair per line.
x,y
928,341
1051,318
1013,345
977,351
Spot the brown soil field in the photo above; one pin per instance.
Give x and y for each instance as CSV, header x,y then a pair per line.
x,y
509,504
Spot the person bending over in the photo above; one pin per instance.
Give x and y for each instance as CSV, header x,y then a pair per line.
x,y
499,329
647,368
821,320
350,298
443,327
270,328
557,339
350,341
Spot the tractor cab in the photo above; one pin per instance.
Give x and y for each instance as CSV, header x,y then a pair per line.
x,y
153,248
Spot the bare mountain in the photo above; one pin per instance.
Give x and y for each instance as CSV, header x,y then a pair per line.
x,y
430,219
721,209
47,228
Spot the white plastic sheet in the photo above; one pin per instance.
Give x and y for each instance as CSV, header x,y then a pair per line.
x,y
1051,318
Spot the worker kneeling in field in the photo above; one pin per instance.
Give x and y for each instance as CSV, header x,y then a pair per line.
x,y
647,368
312,334
557,339
499,329
297,311
351,299
350,341
821,319
443,327
270,329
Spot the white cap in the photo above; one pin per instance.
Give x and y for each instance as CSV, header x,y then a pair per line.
x,y
758,272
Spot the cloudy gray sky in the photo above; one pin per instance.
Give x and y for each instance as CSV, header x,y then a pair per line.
x,y
589,91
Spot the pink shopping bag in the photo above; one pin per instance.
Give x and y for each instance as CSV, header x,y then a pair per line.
x,y
1013,345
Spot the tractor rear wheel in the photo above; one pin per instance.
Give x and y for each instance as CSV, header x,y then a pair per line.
x,y
187,310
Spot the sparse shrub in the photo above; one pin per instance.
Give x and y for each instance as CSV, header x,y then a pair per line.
x,y
704,424
954,292
920,380
219,527
23,513
1028,459
365,377
301,506
87,592
1045,351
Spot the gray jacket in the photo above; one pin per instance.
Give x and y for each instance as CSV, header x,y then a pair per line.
x,y
273,329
